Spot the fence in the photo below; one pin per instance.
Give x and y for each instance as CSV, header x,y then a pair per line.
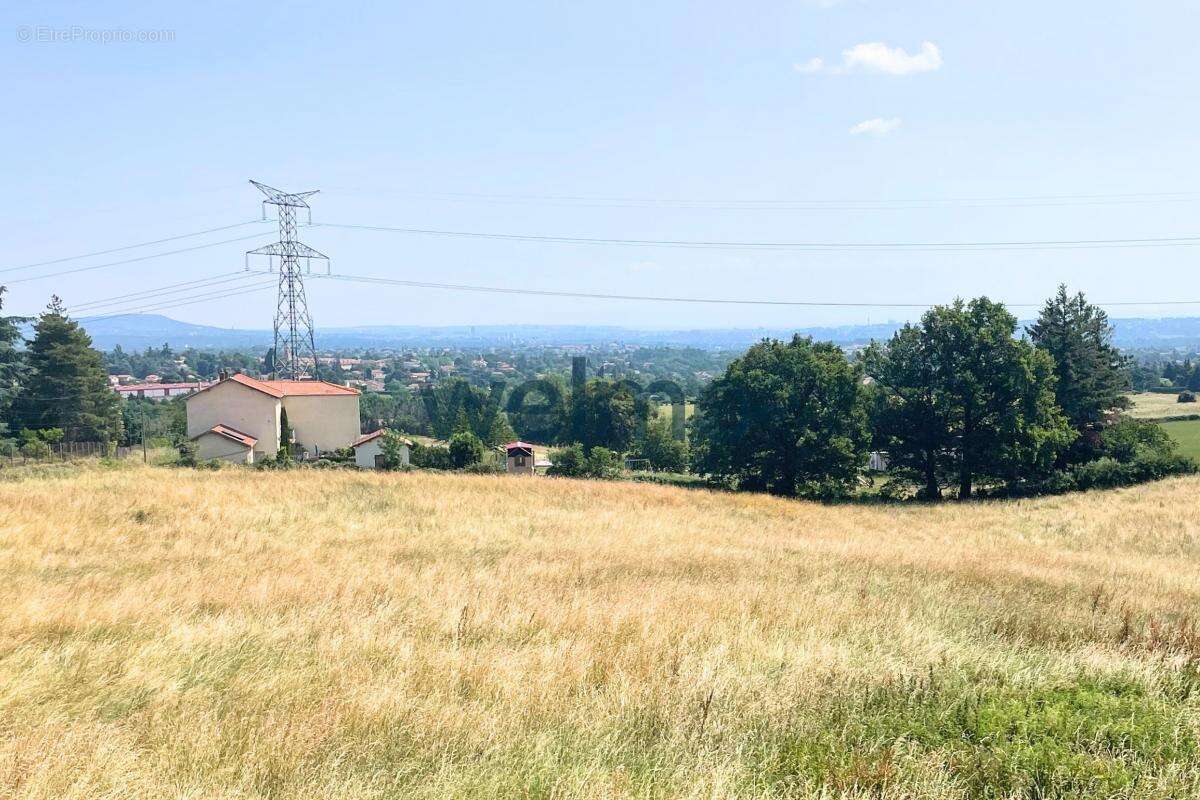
x,y
14,455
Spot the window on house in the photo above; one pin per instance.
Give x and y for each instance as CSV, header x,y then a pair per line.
x,y
520,461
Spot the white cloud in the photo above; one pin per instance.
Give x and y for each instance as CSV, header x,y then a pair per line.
x,y
810,66
876,127
878,57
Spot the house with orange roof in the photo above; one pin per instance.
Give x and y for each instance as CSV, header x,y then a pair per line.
x,y
239,418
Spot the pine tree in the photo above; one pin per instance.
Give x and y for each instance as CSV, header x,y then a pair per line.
x,y
1092,374
500,431
11,361
67,385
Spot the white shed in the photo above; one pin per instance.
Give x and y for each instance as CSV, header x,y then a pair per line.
x,y
368,450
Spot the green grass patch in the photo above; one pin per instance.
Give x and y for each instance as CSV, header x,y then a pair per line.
x,y
1186,434
1092,738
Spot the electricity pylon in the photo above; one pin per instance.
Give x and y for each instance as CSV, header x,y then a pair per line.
x,y
294,341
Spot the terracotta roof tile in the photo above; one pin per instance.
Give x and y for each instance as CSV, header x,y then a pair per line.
x,y
373,436
231,434
308,388
289,388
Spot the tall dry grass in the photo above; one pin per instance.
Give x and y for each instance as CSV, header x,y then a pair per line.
x,y
172,633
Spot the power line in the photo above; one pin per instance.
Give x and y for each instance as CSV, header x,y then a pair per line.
x,y
169,289
1060,244
130,246
135,260
187,301
695,300
876,204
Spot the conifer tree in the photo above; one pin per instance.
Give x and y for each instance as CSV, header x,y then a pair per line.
x,y
66,385
11,361
1092,374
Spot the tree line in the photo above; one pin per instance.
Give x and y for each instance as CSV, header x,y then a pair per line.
x,y
955,402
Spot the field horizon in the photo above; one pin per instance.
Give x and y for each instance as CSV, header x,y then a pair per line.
x,y
234,633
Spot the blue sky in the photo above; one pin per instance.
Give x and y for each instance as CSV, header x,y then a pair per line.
x,y
405,114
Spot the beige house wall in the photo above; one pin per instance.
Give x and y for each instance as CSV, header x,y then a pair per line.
x,y
211,446
327,422
241,408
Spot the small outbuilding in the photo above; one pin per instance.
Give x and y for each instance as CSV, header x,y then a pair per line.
x,y
368,450
518,458
223,443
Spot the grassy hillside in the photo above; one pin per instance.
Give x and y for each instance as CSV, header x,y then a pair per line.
x,y
315,635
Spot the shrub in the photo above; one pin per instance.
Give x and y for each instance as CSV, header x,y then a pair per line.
x,y
391,447
282,460
187,453
35,448
603,463
1132,439
1107,473
1186,397
430,456
568,462
483,468
465,449
661,449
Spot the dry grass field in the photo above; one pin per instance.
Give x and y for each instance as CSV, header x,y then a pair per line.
x,y
190,634
1156,405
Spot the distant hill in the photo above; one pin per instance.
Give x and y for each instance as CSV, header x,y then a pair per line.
x,y
138,331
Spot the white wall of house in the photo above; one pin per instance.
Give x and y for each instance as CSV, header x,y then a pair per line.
x,y
211,446
243,409
328,422
364,454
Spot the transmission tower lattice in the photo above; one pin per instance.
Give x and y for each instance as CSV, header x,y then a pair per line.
x,y
295,347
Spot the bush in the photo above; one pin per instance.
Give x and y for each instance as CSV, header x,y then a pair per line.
x,y
1186,397
465,449
35,448
1130,440
571,462
188,453
568,462
603,463
391,447
484,468
282,460
1107,473
430,456
683,480
661,449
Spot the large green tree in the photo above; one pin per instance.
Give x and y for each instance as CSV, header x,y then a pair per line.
x,y
1093,375
788,418
605,414
909,417
11,361
959,395
66,385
